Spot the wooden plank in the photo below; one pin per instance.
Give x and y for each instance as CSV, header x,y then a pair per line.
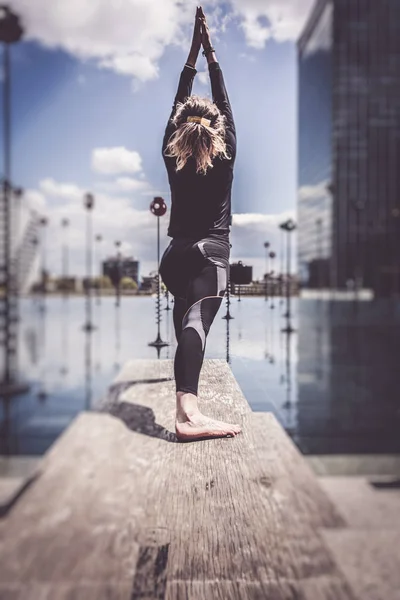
x,y
258,481
119,500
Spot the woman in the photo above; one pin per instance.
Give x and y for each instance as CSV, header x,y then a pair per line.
x,y
199,149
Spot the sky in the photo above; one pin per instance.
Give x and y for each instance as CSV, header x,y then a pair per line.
x,y
92,87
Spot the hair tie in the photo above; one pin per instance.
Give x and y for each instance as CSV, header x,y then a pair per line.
x,y
200,120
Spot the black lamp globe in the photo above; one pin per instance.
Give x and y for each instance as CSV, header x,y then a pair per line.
x,y
11,30
158,207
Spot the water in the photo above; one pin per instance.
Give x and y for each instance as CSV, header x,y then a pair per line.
x,y
333,384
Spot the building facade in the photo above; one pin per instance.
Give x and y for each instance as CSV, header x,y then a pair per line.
x,y
116,268
349,146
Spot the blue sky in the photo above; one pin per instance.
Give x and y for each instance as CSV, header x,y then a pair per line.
x,y
70,100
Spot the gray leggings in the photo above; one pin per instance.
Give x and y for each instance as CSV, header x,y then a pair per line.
x,y
195,272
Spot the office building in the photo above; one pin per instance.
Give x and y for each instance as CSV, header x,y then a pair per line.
x,y
349,146
124,266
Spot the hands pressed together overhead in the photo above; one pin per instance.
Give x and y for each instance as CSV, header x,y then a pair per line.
x,y
201,37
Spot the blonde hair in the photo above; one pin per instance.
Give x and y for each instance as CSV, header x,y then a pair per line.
x,y
203,142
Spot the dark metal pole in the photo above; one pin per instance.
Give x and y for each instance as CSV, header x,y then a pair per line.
x,y
89,204
8,367
99,239
158,208
228,315
43,223
289,227
287,274
266,246
88,272
64,258
158,281
167,298
282,267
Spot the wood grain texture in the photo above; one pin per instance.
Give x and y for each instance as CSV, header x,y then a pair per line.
x,y
121,505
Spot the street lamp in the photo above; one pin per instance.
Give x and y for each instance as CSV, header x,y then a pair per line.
x,y
118,275
64,257
289,226
266,246
228,315
158,208
272,256
88,202
43,222
99,239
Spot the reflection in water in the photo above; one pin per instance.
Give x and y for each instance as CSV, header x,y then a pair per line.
x,y
98,363
333,384
117,332
42,330
239,323
64,337
348,376
288,404
228,358
5,427
88,368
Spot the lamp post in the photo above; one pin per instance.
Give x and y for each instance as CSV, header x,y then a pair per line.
x,y
11,31
158,208
289,226
282,265
228,315
88,202
99,239
64,258
118,277
272,256
167,298
266,246
43,222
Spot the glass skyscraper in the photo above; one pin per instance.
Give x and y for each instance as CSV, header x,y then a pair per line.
x,y
349,146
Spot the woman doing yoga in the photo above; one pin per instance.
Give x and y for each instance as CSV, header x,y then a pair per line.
x,y
199,149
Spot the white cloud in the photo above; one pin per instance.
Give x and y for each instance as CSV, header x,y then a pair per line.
x,y
247,56
262,20
111,161
61,191
124,184
130,36
313,192
141,66
203,77
35,200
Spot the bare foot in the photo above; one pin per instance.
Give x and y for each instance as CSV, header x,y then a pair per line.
x,y
198,426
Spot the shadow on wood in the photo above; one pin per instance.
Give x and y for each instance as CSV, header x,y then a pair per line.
x,y
142,420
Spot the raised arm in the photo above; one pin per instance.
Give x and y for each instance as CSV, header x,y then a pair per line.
x,y
219,93
187,76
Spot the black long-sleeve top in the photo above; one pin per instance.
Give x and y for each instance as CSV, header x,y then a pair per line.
x,y
201,204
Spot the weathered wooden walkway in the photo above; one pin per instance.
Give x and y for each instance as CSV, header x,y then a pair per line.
x,y
122,511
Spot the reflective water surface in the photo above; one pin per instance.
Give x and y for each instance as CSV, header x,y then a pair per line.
x,y
333,383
